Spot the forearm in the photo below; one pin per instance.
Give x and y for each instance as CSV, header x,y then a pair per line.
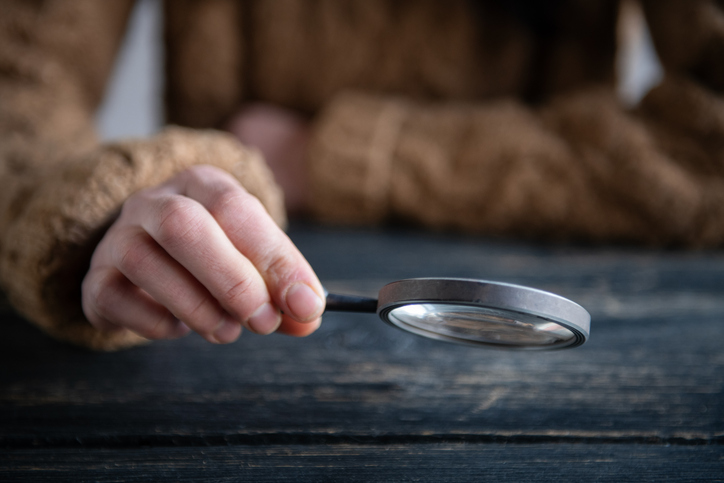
x,y
579,168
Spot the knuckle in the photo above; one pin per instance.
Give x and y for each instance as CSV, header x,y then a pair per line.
x,y
210,178
249,214
238,296
178,220
90,309
129,206
103,298
227,198
133,253
158,329
104,305
278,263
251,204
203,172
196,312
137,202
200,314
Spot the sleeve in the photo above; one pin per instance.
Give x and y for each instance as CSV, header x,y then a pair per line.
x,y
60,187
580,167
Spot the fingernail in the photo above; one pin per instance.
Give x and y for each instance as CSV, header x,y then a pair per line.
x,y
228,331
303,302
265,320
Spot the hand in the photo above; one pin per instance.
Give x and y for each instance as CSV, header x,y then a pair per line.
x,y
200,253
282,136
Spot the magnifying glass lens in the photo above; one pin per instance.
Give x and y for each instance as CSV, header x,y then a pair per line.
x,y
478,325
475,312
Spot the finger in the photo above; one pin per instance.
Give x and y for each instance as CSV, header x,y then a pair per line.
x,y
291,282
140,259
112,302
289,326
192,237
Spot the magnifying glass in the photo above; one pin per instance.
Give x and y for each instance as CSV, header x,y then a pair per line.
x,y
475,312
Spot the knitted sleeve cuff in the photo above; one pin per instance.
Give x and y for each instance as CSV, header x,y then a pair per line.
x,y
48,247
350,158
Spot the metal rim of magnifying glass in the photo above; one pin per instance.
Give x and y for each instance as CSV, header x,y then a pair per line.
x,y
505,297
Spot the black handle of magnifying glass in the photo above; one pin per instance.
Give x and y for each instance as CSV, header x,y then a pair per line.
x,y
350,303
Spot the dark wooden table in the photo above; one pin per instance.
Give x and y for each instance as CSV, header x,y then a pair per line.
x,y
361,401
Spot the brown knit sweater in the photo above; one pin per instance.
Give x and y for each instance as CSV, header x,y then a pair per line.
x,y
418,112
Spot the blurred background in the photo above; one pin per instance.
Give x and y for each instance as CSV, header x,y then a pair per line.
x,y
133,104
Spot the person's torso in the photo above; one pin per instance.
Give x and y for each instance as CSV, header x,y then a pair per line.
x,y
300,53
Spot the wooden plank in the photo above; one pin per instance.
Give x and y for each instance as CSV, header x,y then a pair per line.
x,y
652,372
352,463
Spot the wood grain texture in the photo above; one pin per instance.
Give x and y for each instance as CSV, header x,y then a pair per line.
x,y
359,463
652,373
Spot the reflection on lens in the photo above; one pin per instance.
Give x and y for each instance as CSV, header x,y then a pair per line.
x,y
479,324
